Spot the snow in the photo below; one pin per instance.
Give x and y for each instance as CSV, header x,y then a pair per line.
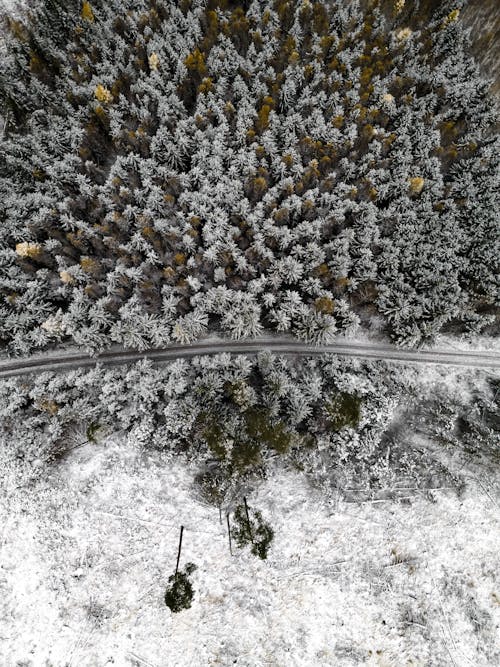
x,y
12,5
88,549
467,343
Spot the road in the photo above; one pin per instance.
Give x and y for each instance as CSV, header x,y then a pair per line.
x,y
68,360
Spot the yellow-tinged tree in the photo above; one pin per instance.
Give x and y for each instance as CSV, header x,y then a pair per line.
x,y
87,14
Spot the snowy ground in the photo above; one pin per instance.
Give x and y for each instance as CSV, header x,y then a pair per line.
x,y
87,552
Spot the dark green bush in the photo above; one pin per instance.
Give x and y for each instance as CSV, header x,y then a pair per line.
x,y
179,593
252,530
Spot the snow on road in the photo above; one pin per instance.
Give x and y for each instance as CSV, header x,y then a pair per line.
x,y
87,551
64,360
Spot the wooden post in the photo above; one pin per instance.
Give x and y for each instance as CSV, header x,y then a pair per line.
x,y
229,534
248,518
179,552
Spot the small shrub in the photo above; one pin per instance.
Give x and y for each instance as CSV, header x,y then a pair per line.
x,y
179,593
252,530
91,431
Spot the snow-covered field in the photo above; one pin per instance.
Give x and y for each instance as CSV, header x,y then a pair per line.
x,y
86,554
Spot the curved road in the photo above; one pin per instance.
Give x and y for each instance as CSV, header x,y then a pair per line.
x,y
64,361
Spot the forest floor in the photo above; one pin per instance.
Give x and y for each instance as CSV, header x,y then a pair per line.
x,y
87,550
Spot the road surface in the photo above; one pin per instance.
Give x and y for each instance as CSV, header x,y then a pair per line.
x,y
71,360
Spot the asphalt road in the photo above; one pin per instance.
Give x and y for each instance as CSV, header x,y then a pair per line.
x,y
68,360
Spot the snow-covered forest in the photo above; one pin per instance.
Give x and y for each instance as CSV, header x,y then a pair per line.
x,y
344,422
168,169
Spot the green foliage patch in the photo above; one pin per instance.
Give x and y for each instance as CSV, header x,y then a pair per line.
x,y
252,529
344,410
180,593
261,427
242,449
